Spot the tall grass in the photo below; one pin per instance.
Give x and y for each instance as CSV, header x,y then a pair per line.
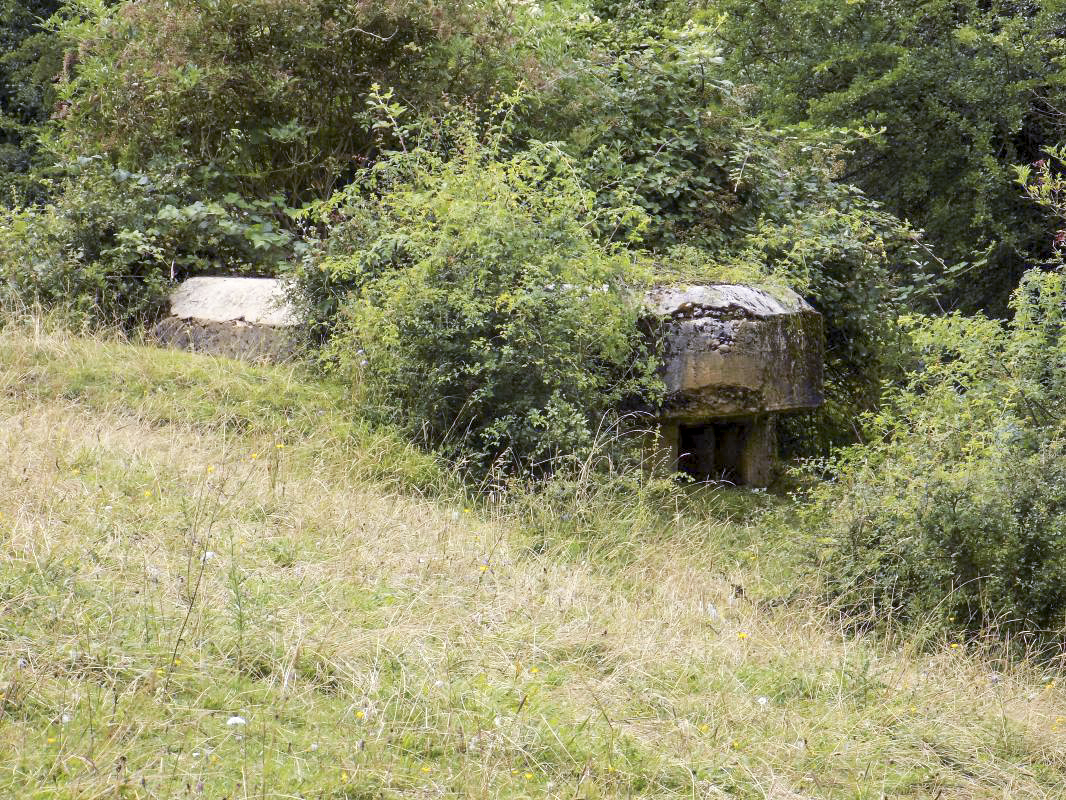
x,y
216,582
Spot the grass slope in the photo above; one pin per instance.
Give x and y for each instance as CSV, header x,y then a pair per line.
x,y
216,582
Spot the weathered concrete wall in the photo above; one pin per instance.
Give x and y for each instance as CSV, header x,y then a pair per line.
x,y
733,358
246,318
733,351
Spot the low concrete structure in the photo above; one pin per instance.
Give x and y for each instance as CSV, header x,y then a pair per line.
x,y
247,318
734,357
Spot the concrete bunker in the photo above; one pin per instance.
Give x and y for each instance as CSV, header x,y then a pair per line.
x,y
733,358
247,318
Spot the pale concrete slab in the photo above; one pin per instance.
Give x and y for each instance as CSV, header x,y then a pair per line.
x,y
246,318
257,301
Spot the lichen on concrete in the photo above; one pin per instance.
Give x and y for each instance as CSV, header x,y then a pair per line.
x,y
736,353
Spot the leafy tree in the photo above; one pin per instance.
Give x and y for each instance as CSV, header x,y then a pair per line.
x,y
270,95
951,93
30,59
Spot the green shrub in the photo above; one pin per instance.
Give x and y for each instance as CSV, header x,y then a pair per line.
x,y
649,113
111,242
954,511
952,93
270,93
477,309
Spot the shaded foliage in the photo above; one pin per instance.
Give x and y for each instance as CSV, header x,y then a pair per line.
x,y
954,511
271,94
478,312
109,243
30,60
952,95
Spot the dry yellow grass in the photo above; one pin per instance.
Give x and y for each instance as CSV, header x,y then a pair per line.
x,y
260,603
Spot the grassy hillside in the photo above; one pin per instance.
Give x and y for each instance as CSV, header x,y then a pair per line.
x,y
216,582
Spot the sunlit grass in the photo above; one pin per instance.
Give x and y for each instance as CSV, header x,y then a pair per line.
x,y
216,581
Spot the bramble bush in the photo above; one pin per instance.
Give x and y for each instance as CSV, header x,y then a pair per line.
x,y
954,511
111,242
478,311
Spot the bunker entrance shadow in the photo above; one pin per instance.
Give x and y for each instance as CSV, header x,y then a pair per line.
x,y
737,451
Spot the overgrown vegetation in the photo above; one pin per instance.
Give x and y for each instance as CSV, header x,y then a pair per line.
x,y
950,96
479,311
211,586
468,199
953,511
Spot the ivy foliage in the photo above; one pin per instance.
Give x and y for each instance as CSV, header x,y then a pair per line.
x,y
479,312
950,94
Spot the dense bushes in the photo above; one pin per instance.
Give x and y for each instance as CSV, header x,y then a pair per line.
x,y
952,94
184,133
477,310
243,111
201,125
111,242
30,58
955,509
653,116
271,94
